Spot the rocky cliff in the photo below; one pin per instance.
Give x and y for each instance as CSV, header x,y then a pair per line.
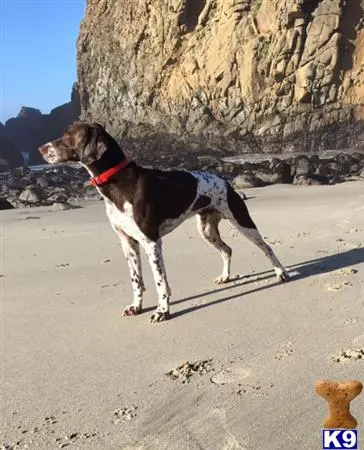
x,y
10,156
31,128
266,75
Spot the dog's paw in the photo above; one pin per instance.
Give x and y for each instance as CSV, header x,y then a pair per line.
x,y
159,316
222,279
131,310
282,276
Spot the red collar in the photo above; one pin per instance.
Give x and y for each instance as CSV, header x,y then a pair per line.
x,y
104,177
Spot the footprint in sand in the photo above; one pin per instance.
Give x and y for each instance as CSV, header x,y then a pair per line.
x,y
322,252
272,241
47,431
302,234
347,272
285,352
124,414
73,438
338,286
256,389
235,373
51,420
188,369
349,245
104,286
275,242
351,321
351,354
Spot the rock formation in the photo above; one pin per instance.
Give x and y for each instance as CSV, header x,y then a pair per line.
x,y
10,157
31,128
283,74
65,186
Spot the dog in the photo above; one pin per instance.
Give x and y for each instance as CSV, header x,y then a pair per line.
x,y
143,205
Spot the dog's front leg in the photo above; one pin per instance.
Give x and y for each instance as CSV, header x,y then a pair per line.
x,y
132,254
155,257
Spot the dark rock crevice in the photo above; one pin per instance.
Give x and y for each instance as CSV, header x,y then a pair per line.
x,y
191,12
352,16
309,6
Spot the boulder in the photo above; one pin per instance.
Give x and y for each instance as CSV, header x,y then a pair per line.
x,y
30,195
282,169
44,181
303,165
312,180
246,181
5,204
58,197
61,206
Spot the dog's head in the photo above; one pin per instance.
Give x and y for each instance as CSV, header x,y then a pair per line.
x,y
83,142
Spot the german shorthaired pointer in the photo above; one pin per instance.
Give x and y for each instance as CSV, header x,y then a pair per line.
x,y
143,205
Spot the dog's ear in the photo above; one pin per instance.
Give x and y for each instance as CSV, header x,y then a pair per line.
x,y
95,144
98,125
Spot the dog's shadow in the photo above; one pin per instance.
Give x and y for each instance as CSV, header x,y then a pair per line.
x,y
305,269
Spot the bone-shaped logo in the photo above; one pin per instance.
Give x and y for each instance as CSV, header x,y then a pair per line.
x,y
339,395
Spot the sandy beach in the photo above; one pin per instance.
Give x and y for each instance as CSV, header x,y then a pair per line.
x,y
75,374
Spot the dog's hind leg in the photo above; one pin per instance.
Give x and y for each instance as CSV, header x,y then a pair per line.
x,y
239,216
132,254
207,225
155,257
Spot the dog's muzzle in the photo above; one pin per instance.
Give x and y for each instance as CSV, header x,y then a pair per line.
x,y
48,152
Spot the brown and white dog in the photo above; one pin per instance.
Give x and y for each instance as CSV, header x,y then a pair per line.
x,y
143,205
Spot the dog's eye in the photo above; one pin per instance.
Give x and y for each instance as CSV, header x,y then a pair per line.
x,y
67,140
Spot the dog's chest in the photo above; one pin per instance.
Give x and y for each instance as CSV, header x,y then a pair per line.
x,y
123,220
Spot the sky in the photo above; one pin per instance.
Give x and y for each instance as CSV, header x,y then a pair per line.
x,y
37,53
